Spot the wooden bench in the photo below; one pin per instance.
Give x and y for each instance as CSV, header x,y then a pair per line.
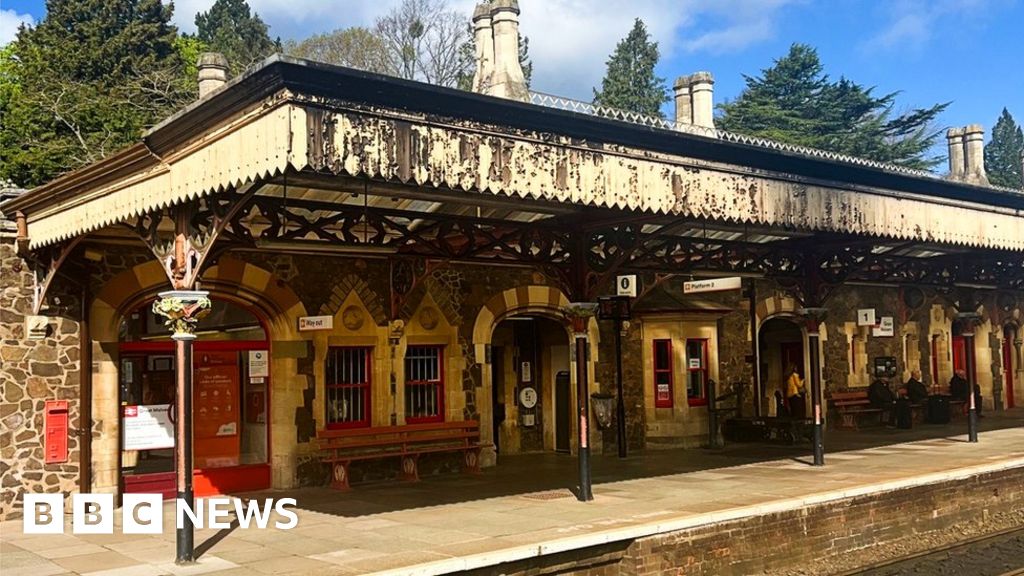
x,y
850,405
340,448
956,407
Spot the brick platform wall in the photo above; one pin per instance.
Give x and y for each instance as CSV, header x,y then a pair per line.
x,y
793,538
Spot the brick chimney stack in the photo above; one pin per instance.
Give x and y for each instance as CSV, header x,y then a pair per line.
x,y
500,19
694,98
213,72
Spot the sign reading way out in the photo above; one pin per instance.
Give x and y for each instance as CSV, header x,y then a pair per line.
x,y
316,323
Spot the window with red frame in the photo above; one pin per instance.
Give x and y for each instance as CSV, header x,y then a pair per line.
x,y
347,385
424,384
697,371
663,373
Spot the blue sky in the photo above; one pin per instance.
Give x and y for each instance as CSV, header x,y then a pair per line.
x,y
968,52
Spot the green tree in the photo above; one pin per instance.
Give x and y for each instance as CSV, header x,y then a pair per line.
x,y
85,82
231,28
794,101
1003,153
355,47
423,40
630,83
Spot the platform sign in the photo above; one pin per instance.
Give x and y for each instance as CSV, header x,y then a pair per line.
x,y
626,285
712,285
307,323
866,317
886,327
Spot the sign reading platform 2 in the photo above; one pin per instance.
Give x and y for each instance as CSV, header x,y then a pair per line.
x,y
712,285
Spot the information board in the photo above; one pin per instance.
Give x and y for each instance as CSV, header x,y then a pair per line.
x,y
147,427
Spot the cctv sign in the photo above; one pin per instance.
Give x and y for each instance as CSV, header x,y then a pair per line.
x,y
144,513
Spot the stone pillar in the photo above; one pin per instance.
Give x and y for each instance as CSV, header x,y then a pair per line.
x,y
702,98
484,48
213,72
684,111
955,141
974,151
508,80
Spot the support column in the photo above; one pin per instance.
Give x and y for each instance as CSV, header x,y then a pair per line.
x,y
579,314
814,318
183,309
620,405
969,320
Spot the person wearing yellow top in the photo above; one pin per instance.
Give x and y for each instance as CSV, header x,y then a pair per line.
x,y
795,394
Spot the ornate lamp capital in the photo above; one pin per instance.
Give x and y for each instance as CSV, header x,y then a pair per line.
x,y
183,310
578,314
970,321
813,316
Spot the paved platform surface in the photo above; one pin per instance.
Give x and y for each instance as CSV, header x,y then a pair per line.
x,y
524,507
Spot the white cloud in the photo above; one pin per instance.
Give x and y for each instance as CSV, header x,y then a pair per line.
x,y
570,40
10,21
913,23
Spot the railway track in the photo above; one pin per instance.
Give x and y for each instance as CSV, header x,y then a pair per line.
x,y
988,555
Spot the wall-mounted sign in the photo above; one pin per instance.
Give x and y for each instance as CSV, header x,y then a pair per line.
x,y
259,366
625,285
147,427
528,397
886,327
316,323
712,285
526,372
866,317
35,327
694,363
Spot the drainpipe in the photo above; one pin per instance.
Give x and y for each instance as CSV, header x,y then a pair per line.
x,y
85,396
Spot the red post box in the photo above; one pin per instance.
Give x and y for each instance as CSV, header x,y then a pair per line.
x,y
56,431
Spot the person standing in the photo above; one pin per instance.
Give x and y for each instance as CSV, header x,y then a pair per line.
x,y
795,394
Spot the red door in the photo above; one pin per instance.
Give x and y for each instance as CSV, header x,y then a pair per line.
x,y
960,352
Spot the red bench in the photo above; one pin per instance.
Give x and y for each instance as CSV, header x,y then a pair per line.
x,y
850,405
340,448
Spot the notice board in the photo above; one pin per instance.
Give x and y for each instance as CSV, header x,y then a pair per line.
x,y
215,409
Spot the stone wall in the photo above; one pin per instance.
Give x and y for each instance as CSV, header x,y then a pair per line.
x,y
32,372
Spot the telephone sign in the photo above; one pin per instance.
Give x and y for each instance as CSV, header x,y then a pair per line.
x,y
626,285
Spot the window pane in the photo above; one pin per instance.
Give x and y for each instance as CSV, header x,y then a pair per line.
x,y
424,386
662,354
347,383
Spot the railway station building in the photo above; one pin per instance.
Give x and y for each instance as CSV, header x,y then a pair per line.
x,y
381,252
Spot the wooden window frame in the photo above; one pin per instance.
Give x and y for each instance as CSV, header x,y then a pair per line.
x,y
438,385
701,400
366,388
655,371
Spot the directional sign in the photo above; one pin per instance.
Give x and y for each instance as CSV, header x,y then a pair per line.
x,y
712,285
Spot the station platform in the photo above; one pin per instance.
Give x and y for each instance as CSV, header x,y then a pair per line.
x,y
692,510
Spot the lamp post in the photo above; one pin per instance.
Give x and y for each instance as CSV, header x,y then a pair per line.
x,y
579,314
969,320
814,318
183,309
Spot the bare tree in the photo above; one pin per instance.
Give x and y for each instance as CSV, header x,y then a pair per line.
x,y
422,40
355,47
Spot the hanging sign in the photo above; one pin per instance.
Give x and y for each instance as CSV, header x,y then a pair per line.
x,y
625,285
147,427
259,367
307,323
886,327
712,285
866,317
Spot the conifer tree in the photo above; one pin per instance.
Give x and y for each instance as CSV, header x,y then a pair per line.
x,y
630,83
231,28
1003,153
794,101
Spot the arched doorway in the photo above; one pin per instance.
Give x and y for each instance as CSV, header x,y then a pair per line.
x,y
231,401
531,385
781,344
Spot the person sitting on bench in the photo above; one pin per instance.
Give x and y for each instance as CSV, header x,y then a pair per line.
x,y
881,396
914,389
959,389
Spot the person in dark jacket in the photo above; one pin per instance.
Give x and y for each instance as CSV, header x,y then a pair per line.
x,y
881,396
914,389
959,388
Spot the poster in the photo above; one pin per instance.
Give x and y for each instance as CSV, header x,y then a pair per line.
x,y
259,367
215,407
147,427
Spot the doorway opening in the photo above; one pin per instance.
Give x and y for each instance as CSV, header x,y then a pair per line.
x,y
780,347
231,400
531,394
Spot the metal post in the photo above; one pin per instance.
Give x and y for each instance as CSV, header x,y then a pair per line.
x,y
818,439
972,411
712,415
583,408
183,444
620,407
183,309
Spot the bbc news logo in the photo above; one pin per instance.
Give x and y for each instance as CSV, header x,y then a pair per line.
x,y
144,513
